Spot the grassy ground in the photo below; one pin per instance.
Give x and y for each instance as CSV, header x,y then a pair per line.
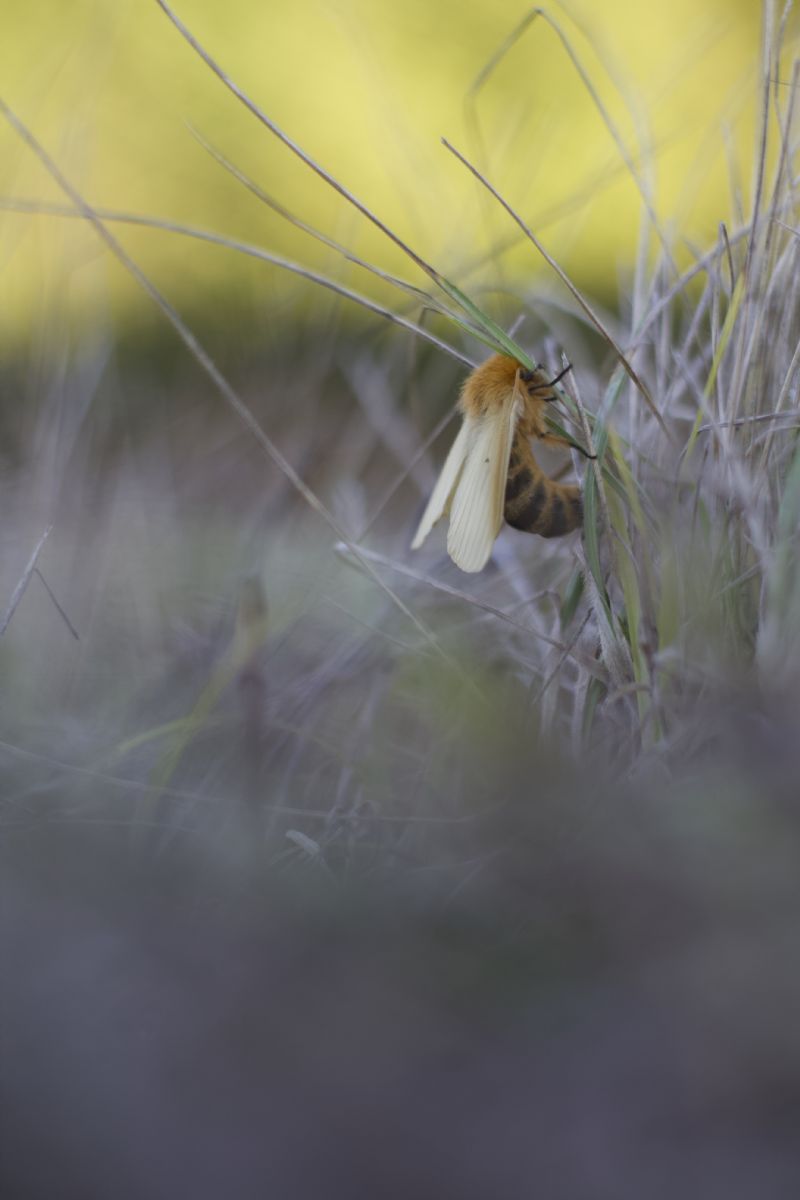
x,y
330,868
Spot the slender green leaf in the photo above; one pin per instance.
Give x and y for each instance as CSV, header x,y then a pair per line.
x,y
591,534
572,598
595,692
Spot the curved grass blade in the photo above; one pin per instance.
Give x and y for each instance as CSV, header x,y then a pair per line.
x,y
217,239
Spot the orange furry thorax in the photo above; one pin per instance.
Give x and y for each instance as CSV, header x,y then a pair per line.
x,y
487,387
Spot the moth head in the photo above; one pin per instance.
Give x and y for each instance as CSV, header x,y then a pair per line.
x,y
539,386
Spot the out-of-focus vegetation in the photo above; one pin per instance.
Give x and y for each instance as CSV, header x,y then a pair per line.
x,y
326,869
369,91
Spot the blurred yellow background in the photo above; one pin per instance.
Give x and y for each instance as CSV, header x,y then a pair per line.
x,y
368,88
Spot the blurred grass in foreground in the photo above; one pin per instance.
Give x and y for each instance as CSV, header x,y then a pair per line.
x,y
476,886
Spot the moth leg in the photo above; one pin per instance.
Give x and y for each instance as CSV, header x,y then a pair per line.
x,y
555,439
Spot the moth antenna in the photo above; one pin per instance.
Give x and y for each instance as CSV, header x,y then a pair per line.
x,y
560,375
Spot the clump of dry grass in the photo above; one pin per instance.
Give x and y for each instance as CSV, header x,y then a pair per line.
x,y
683,587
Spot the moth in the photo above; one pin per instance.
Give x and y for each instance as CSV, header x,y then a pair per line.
x,y
491,474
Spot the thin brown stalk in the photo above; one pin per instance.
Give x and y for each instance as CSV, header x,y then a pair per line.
x,y
419,294
744,343
702,264
594,185
584,304
783,159
136,785
229,394
755,420
728,254
56,604
763,138
561,660
24,579
13,204
438,428
468,598
605,115
292,145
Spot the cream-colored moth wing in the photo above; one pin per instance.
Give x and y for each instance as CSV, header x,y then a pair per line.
x,y
440,497
476,510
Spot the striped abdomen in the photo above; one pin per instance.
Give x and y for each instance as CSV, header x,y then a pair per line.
x,y
536,503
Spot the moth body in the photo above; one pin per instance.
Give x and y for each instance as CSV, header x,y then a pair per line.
x,y
535,503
